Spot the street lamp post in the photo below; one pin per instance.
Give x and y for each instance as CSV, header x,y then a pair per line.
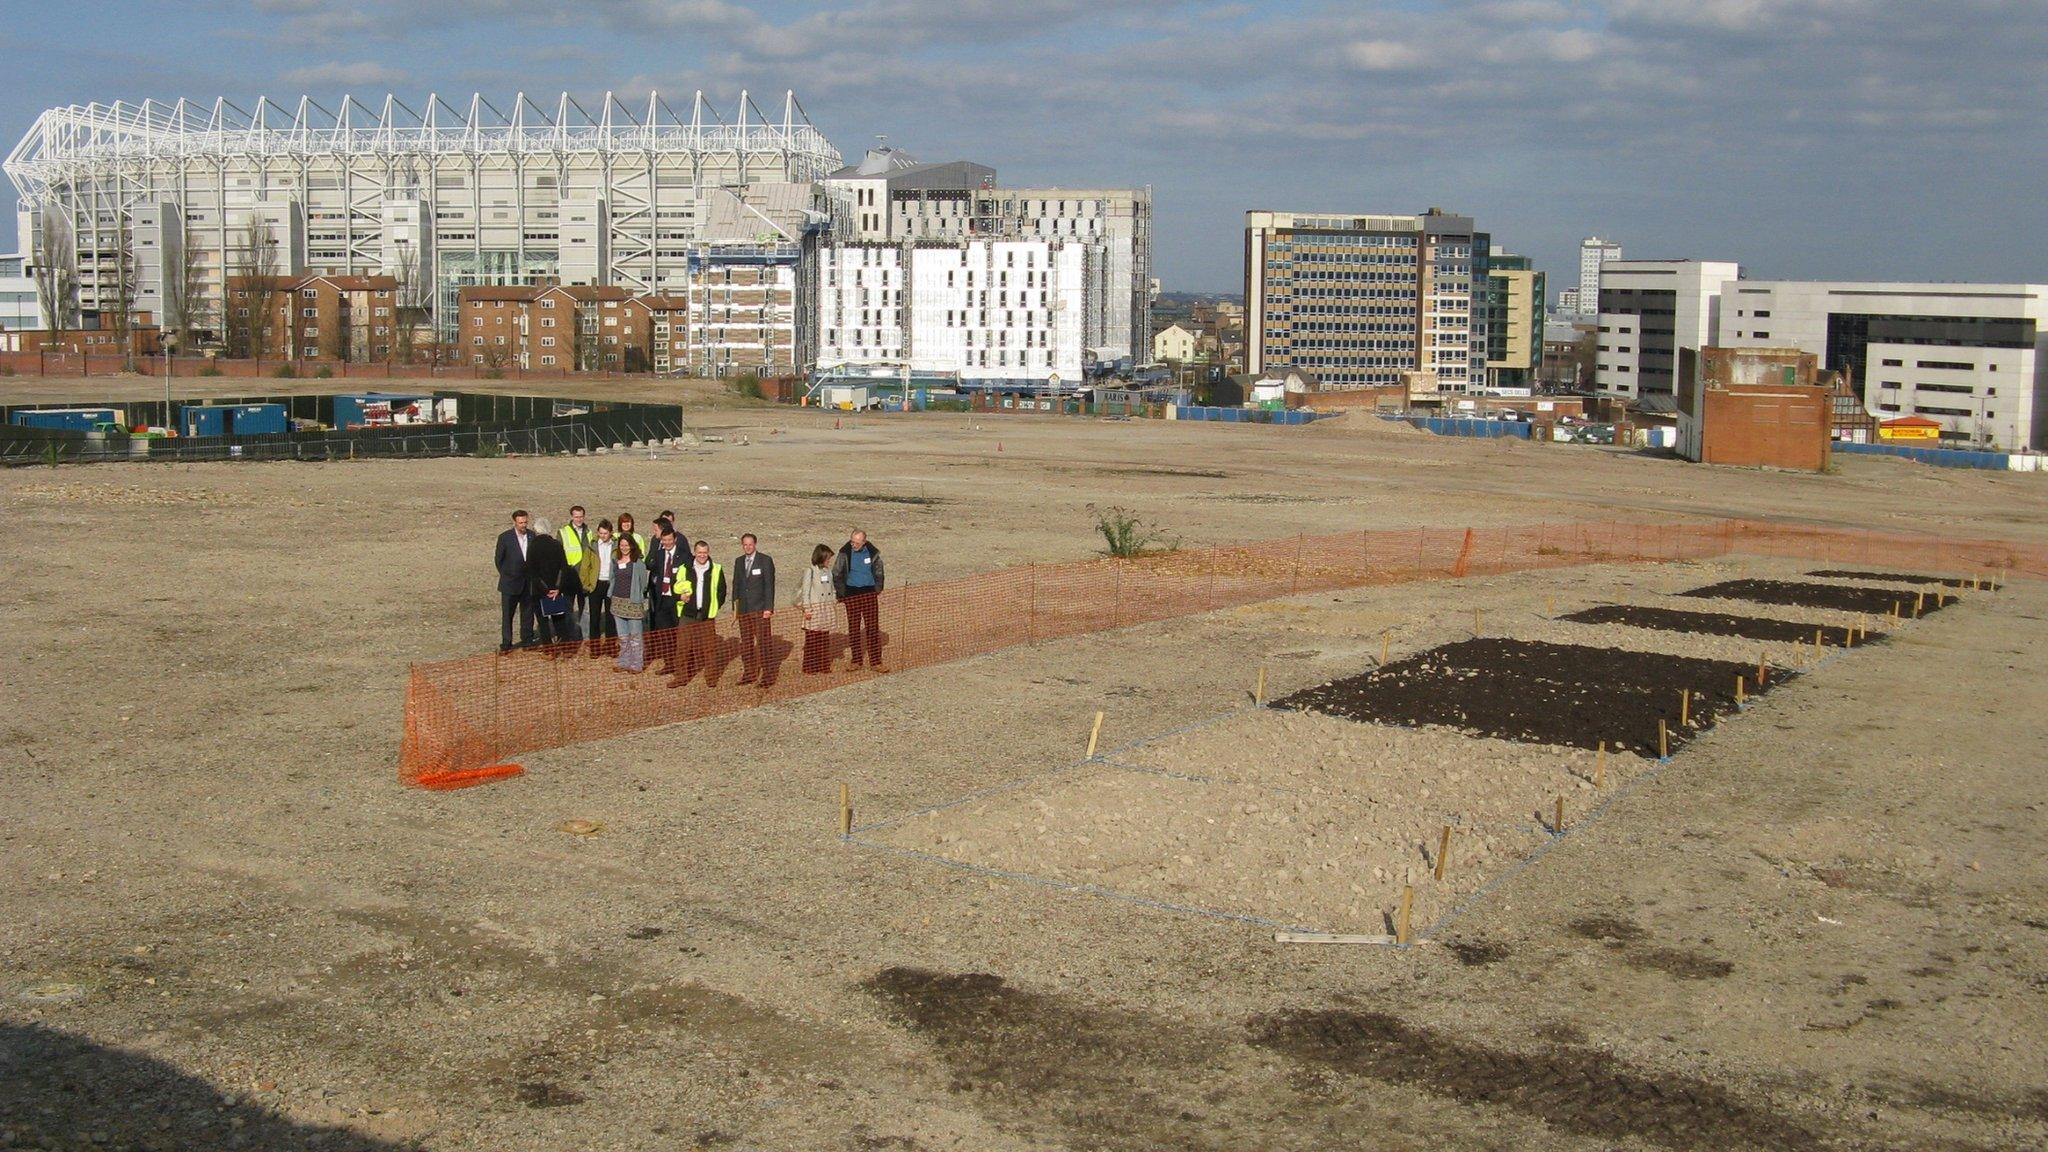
x,y
169,340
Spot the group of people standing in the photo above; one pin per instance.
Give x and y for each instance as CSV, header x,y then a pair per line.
x,y
657,597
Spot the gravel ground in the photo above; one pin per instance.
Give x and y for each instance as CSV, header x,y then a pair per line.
x,y
228,926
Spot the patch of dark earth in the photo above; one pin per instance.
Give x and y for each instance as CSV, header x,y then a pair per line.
x,y
1586,1092
1886,577
853,497
1100,1078
1870,601
1108,1078
1476,953
1534,692
1714,624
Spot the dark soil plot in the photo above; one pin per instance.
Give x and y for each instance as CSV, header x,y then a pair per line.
x,y
1873,601
1882,577
1538,693
1711,624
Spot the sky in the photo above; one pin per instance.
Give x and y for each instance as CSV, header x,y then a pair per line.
x,y
1812,139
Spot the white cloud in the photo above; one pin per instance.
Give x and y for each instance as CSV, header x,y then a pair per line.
x,y
1384,55
341,74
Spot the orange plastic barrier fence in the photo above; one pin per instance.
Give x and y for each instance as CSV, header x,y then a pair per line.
x,y
465,717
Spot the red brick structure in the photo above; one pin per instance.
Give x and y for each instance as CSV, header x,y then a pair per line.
x,y
1753,407
575,327
341,318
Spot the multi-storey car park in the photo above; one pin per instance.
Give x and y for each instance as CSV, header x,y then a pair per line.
x,y
161,203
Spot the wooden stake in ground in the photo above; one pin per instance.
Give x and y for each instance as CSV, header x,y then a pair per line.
x,y
1477,615
845,810
1557,823
1094,734
1685,708
1403,918
1550,607
1385,641
1816,643
1443,851
1259,693
1919,602
1600,766
1739,698
1663,739
1763,671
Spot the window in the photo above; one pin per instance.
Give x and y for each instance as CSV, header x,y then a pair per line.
x,y
479,341
1951,365
549,360
1894,363
547,341
477,322
309,294
309,312
547,321
1762,314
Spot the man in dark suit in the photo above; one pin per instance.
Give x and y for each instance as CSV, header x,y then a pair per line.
x,y
664,571
513,595
753,597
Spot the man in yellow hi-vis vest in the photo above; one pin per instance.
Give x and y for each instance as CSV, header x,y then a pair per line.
x,y
700,593
577,538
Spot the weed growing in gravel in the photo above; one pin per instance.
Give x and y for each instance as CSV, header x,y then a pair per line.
x,y
1127,535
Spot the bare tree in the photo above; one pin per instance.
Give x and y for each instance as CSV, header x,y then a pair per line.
x,y
408,309
56,266
124,288
252,295
187,311
583,338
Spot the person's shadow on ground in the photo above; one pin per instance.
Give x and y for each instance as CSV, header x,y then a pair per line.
x,y
59,1090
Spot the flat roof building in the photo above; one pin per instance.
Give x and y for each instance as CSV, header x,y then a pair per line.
x,y
1360,300
1649,311
1973,357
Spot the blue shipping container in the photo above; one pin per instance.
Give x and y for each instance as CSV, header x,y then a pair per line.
x,y
257,420
72,419
202,420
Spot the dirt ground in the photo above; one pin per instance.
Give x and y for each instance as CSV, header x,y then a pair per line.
x,y
1821,925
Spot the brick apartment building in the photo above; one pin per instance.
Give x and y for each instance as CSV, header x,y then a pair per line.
x,y
572,327
352,318
669,318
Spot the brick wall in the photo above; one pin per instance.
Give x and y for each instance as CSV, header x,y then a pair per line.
x,y
1760,426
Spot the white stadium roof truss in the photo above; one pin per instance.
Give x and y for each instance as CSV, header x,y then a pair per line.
x,y
88,142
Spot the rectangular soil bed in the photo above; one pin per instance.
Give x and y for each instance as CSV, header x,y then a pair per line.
x,y
1882,577
1713,624
1873,601
1538,693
